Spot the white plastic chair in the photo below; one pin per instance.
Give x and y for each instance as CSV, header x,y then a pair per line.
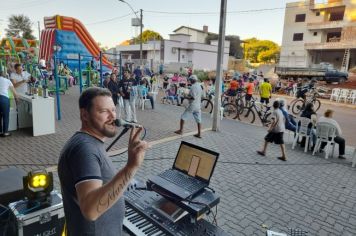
x,y
335,94
344,93
352,96
142,99
302,131
325,132
354,158
294,90
154,90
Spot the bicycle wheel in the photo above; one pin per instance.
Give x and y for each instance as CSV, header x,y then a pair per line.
x,y
316,104
297,106
247,115
206,105
230,110
267,120
240,105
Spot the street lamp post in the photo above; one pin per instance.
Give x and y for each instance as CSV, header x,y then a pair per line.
x,y
141,26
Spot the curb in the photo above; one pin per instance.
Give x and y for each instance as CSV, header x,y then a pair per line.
x,y
324,101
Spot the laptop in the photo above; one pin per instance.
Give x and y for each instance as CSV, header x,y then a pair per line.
x,y
190,173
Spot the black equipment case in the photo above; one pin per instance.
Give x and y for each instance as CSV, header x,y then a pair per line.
x,y
37,220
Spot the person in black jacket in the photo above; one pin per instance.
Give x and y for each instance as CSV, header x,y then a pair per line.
x,y
113,86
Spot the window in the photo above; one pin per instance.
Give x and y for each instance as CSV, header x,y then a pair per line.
x,y
315,33
300,18
298,37
317,13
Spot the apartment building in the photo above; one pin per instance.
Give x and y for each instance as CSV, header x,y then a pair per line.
x,y
319,31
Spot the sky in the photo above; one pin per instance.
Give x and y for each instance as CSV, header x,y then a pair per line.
x,y
109,21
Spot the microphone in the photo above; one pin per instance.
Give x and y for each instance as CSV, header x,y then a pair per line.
x,y
121,122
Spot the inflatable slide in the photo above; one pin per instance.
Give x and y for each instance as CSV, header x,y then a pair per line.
x,y
71,36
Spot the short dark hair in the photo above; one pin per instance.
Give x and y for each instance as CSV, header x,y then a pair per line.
x,y
276,104
87,97
17,65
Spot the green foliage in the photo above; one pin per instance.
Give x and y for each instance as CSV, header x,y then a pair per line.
x,y
19,26
147,35
202,75
235,44
102,48
261,50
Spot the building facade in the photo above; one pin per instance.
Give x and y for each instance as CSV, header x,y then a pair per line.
x,y
319,31
185,48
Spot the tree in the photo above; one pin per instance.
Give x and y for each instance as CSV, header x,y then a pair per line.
x,y
235,44
19,26
102,48
261,50
147,35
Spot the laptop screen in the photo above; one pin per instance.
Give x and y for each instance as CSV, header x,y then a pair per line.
x,y
195,161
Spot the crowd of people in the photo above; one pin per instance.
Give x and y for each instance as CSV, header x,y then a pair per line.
x,y
282,121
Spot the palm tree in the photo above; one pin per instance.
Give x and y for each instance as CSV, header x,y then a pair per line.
x,y
19,26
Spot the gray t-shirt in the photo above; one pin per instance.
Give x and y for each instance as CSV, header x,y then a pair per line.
x,y
84,158
280,126
195,92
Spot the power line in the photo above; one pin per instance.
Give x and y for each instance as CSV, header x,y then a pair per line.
x,y
228,12
111,19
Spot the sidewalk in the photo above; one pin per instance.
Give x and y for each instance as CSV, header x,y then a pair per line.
x,y
306,192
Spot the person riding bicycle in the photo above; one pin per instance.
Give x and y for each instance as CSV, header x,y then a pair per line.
x,y
302,90
234,85
250,88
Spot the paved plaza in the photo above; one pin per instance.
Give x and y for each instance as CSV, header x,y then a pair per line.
x,y
306,192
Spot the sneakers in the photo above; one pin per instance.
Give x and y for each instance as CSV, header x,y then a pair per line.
x,y
342,157
5,134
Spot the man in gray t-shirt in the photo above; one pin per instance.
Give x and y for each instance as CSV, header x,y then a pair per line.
x,y
91,187
275,132
194,106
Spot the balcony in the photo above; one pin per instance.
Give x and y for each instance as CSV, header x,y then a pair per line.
x,y
325,25
334,43
323,6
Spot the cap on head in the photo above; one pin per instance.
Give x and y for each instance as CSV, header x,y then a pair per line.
x,y
281,101
193,77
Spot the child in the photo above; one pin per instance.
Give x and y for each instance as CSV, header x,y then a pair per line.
x,y
275,132
171,94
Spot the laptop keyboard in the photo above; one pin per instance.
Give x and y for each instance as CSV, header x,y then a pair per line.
x,y
183,181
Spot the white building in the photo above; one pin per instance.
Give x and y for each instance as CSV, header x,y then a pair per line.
x,y
179,51
319,32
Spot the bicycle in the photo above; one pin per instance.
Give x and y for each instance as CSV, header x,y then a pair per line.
x,y
207,102
248,114
299,103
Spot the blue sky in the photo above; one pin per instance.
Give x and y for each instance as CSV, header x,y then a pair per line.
x,y
109,21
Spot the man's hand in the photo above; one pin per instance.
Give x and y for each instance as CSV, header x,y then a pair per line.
x,y
136,148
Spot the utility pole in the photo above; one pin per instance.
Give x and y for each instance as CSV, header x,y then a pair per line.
x,y
219,66
39,31
141,26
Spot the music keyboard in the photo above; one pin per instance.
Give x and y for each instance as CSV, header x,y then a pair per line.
x,y
138,224
142,218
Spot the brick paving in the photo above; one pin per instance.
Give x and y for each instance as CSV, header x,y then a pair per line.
x,y
306,192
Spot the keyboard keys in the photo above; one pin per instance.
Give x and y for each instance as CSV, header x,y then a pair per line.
x,y
139,225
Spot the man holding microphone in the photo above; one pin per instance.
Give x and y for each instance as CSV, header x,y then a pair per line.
x,y
91,187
